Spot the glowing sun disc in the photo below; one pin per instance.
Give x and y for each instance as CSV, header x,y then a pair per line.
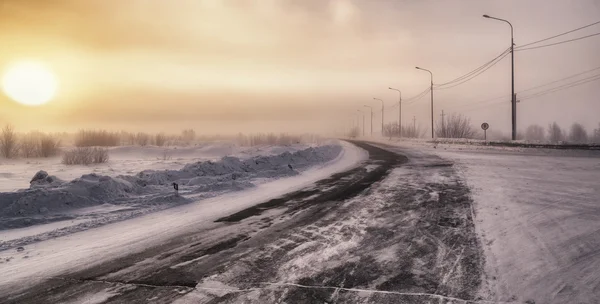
x,y
29,83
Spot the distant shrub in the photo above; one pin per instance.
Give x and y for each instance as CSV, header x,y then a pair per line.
x,y
166,154
48,146
160,139
274,139
85,156
29,145
455,126
188,135
93,138
8,142
142,139
127,139
535,132
37,144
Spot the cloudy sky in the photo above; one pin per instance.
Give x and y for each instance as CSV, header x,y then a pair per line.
x,y
292,65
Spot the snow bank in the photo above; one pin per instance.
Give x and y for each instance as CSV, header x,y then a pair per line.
x,y
49,195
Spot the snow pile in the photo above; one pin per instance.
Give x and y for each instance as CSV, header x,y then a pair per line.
x,y
234,169
48,195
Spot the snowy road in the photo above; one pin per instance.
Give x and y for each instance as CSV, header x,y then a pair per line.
x,y
393,230
539,219
537,215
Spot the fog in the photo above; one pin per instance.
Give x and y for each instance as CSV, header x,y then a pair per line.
x,y
292,66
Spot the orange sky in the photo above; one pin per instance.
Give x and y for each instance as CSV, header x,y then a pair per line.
x,y
284,65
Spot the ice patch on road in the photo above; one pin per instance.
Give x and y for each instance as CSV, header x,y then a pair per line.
x,y
95,298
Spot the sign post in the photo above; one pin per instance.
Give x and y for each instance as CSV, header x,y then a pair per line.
x,y
485,126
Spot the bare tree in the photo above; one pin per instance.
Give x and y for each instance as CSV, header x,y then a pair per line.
x,y
578,134
596,137
48,146
456,126
188,135
160,139
85,156
8,142
28,145
535,132
142,139
555,133
92,138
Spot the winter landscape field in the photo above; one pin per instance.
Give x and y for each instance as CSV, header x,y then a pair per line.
x,y
376,222
299,152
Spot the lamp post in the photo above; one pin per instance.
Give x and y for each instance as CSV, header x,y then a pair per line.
x,y
382,106
399,111
371,118
512,55
363,128
431,92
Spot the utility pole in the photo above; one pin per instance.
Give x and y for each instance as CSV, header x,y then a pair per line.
x,y
512,72
415,124
371,118
444,135
363,128
382,106
399,111
431,91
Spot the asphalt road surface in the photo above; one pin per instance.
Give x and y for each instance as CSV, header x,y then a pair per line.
x,y
397,229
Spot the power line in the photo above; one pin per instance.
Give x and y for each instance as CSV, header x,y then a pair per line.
x,y
479,73
418,96
475,70
563,87
556,43
545,39
559,80
487,101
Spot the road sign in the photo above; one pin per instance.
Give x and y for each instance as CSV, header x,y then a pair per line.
x,y
485,126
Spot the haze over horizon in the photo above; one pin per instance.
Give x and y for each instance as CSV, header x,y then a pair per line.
x,y
292,66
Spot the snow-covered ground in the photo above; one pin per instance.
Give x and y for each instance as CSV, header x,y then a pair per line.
x,y
51,206
68,253
538,216
16,174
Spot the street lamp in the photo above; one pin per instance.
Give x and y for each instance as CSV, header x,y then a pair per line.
x,y
431,90
371,118
382,105
399,111
363,128
512,55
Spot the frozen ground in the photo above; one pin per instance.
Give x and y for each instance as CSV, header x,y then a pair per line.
x,y
58,256
538,215
51,207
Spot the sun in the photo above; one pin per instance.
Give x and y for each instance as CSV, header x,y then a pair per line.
x,y
29,83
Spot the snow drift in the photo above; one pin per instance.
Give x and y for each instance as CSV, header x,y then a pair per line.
x,y
49,196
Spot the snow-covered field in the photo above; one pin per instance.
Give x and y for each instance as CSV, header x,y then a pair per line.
x,y
58,255
16,174
136,181
538,215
